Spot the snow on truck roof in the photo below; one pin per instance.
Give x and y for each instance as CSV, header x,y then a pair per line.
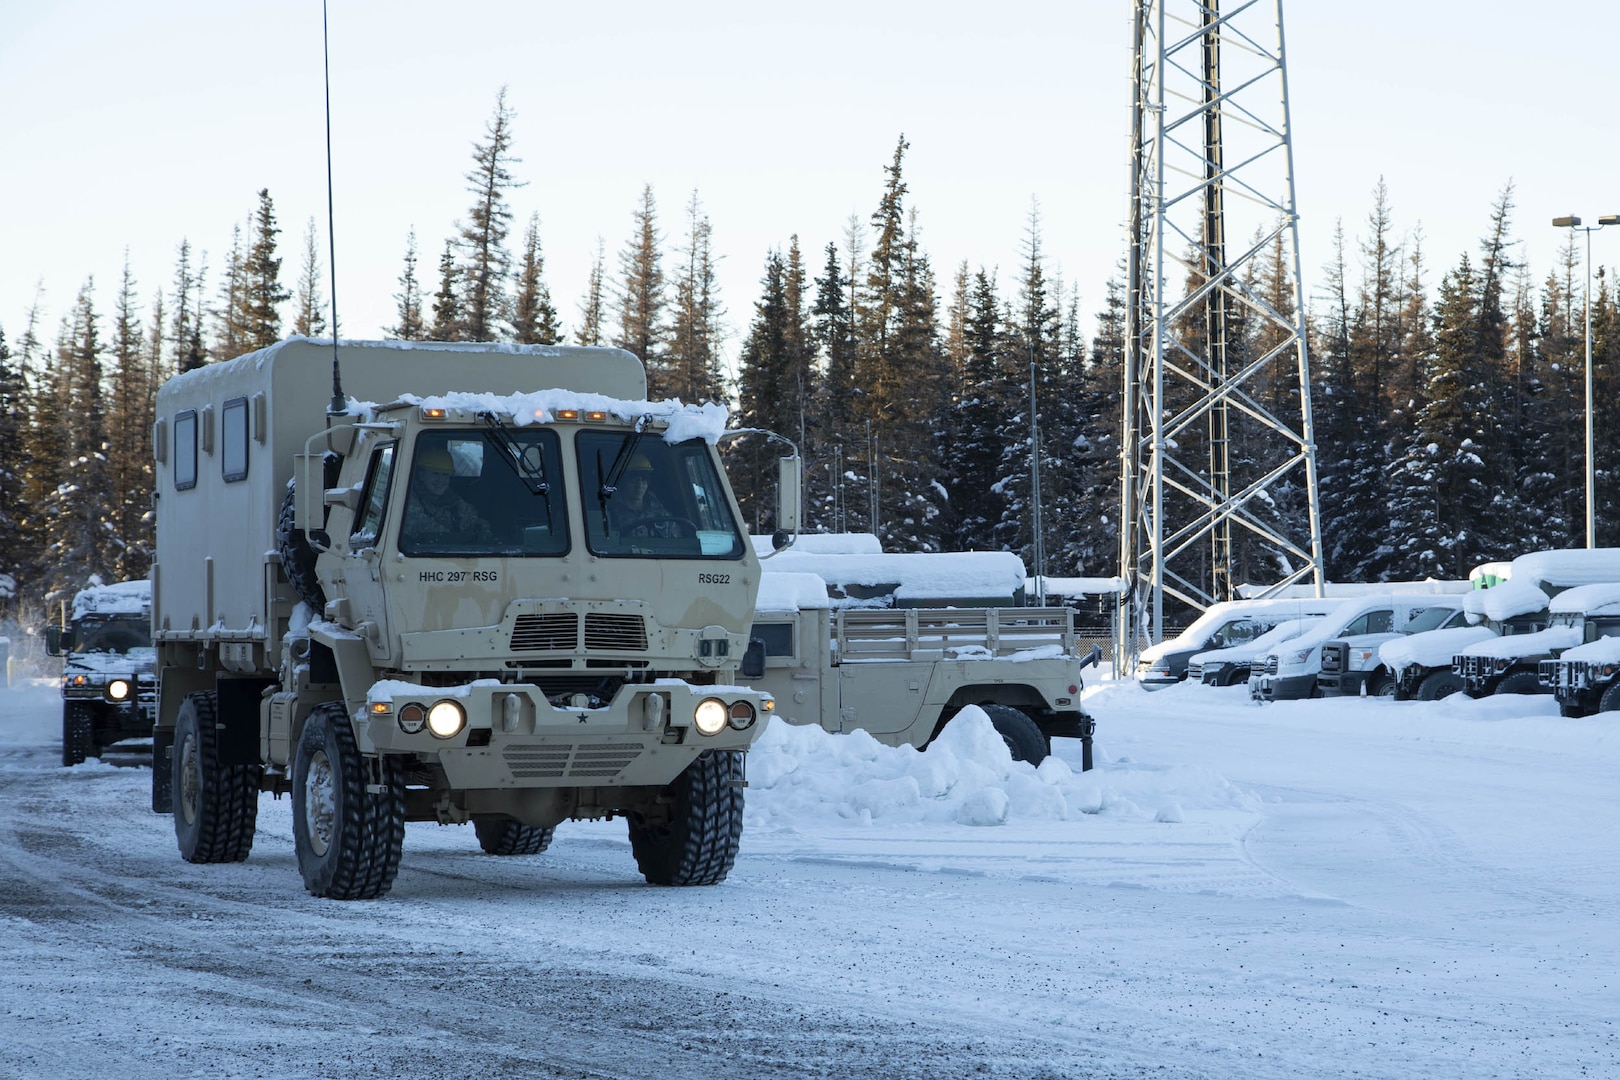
x,y
707,421
953,575
1567,566
121,598
1600,599
1513,597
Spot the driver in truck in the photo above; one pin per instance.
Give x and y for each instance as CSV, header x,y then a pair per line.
x,y
634,509
434,514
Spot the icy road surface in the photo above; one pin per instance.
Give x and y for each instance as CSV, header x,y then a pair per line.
x,y
1307,889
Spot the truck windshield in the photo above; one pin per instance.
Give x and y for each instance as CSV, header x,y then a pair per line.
x,y
115,635
662,499
472,495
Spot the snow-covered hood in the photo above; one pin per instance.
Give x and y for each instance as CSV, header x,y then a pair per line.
x,y
1542,641
1605,650
119,598
1432,648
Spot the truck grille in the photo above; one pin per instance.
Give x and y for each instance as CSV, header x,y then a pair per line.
x,y
549,630
1333,657
1195,672
1562,674
1469,667
607,631
587,760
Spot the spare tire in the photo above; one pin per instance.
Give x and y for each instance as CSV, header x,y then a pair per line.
x,y
297,557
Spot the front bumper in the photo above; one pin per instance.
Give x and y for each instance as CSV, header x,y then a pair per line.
x,y
1342,683
514,738
1281,687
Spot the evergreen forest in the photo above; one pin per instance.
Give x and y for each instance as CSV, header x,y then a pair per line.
x,y
1448,398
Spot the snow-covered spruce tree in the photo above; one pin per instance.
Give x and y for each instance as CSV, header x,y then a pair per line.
x,y
309,306
974,451
1092,526
186,336
834,336
408,325
693,356
231,317
449,324
641,296
130,415
768,392
486,265
14,551
590,308
534,316
261,280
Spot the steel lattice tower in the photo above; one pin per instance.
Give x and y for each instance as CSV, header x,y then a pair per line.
x,y
1217,416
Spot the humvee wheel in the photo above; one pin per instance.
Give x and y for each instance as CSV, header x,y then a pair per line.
x,y
1019,732
1439,684
1610,701
216,806
348,838
504,836
297,557
698,844
1520,682
78,733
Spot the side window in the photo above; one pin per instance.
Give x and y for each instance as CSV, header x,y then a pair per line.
x,y
1374,622
233,435
778,637
185,450
374,502
1459,619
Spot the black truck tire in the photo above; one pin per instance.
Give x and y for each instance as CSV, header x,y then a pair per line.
x,y
348,830
1439,684
1019,732
1521,682
297,557
698,845
216,806
1610,701
78,732
505,836
1382,684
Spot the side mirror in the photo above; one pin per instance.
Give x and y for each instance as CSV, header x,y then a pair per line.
x,y
1093,659
753,660
787,495
53,640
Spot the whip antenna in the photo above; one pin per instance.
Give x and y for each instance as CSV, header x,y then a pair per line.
x,y
339,404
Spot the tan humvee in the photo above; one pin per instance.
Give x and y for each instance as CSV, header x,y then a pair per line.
x,y
499,587
837,655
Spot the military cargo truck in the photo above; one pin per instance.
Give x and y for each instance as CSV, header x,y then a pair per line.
x,y
875,643
108,689
488,584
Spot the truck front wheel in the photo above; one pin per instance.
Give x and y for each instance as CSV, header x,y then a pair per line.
x,y
78,733
348,829
1382,684
698,844
1439,684
1019,732
216,806
1521,682
504,836
1610,701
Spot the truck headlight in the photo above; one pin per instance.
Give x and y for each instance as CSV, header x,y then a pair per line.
x,y
710,717
1299,656
118,690
446,719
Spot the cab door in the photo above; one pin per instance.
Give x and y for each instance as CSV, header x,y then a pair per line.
x,y
361,552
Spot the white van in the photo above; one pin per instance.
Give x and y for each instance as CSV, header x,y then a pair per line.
x,y
1290,671
1228,623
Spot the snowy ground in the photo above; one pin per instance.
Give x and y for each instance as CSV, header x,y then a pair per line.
x,y
1307,889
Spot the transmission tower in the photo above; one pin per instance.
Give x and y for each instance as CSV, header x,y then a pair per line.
x,y
1217,439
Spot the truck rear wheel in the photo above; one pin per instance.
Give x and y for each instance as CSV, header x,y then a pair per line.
x,y
698,844
297,557
348,828
1610,701
504,836
1439,684
78,733
216,806
1019,732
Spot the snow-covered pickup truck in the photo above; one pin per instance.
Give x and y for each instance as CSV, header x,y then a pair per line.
x,y
1292,669
1511,665
1230,666
1228,624
1352,665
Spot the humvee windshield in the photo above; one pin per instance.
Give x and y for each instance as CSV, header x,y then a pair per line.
x,y
644,496
472,493
1434,619
113,635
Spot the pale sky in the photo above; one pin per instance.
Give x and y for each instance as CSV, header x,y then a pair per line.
x,y
132,125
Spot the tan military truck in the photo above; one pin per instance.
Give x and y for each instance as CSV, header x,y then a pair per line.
x,y
898,644
430,598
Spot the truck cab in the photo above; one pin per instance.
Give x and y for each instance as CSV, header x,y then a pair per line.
x,y
1586,678
108,686
1228,624
1352,665
1513,664
1292,669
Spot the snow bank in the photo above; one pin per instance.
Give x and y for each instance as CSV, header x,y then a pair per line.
x,y
1432,648
800,773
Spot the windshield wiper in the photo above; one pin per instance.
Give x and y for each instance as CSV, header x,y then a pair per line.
x,y
615,473
532,474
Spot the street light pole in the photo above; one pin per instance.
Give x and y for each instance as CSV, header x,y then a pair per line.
x,y
1573,224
